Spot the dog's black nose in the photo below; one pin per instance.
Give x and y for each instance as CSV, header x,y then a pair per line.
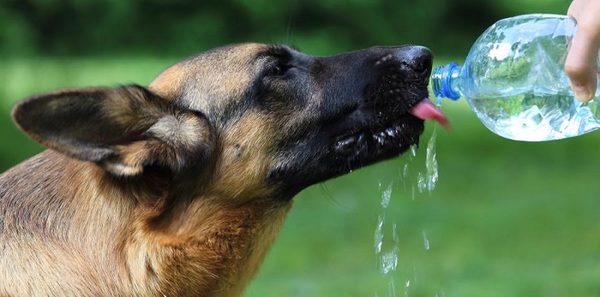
x,y
423,59
418,58
413,62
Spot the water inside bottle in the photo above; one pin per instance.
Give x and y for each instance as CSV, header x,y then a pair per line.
x,y
529,117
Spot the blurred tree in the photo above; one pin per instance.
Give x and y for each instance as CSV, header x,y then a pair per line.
x,y
101,27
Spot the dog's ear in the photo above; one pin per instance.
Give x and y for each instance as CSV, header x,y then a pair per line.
x,y
122,129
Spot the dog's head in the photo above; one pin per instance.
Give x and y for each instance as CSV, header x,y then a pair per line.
x,y
247,119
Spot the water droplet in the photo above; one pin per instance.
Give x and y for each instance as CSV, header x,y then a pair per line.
x,y
421,182
385,198
413,150
425,241
431,162
389,261
405,171
379,234
438,101
428,180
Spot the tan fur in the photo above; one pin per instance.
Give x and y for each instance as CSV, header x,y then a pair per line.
x,y
191,75
208,244
242,157
212,248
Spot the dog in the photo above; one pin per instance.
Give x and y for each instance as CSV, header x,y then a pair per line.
x,y
179,188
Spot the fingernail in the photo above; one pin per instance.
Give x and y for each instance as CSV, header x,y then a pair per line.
x,y
582,93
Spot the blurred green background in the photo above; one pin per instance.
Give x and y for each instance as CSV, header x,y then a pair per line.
x,y
505,219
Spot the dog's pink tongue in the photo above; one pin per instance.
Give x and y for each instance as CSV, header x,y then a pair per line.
x,y
425,110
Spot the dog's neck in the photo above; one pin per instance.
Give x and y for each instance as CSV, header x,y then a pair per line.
x,y
204,246
222,243
222,246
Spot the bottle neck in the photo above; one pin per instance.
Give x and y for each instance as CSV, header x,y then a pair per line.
x,y
443,84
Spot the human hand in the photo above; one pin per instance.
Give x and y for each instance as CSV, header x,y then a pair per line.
x,y
581,64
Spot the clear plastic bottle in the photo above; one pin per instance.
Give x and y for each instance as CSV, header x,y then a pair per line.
x,y
514,80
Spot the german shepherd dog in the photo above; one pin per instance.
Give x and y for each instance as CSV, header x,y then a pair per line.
x,y
179,188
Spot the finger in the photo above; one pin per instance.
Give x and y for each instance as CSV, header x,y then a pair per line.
x,y
580,66
581,63
576,7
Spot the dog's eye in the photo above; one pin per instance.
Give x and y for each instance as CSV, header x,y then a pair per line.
x,y
279,69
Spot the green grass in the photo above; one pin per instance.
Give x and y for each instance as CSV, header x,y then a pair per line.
x,y
506,218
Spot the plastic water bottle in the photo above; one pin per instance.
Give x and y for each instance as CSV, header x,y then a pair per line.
x,y
514,80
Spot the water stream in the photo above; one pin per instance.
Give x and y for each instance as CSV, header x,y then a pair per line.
x,y
387,243
387,258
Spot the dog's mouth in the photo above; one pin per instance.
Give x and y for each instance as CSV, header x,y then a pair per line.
x,y
391,116
380,141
